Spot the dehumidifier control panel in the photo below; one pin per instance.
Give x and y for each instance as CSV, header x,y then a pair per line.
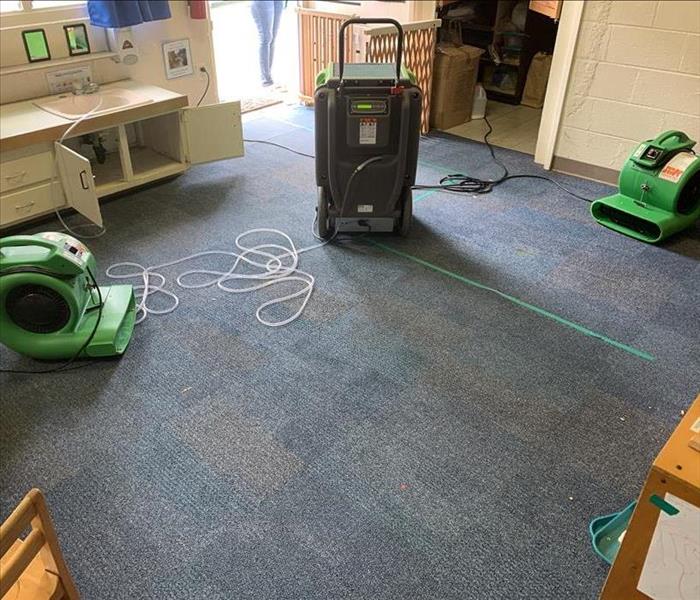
x,y
369,107
368,122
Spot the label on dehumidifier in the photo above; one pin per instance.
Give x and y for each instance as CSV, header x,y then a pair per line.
x,y
368,130
365,208
678,165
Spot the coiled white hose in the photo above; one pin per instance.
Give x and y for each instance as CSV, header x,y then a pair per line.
x,y
278,263
271,263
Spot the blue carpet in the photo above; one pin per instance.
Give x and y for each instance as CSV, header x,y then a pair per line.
x,y
411,436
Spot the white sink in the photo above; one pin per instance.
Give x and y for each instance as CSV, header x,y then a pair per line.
x,y
73,107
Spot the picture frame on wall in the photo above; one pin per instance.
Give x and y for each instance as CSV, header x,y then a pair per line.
x,y
177,57
36,45
77,39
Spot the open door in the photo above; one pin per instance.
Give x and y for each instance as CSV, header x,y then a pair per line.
x,y
78,183
212,132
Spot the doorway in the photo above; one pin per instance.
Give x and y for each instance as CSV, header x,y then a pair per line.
x,y
517,38
236,47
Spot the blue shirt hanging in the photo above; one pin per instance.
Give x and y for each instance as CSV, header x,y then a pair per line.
x,y
125,13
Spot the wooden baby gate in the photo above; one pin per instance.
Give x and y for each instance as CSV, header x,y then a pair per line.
x,y
318,46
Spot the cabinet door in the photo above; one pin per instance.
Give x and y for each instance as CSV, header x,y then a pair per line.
x,y
212,132
78,183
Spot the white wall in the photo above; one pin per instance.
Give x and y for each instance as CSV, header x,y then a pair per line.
x,y
636,73
12,52
32,84
149,69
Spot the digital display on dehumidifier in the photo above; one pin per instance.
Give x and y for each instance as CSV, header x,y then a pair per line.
x,y
372,107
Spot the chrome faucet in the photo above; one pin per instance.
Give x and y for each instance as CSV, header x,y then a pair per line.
x,y
84,87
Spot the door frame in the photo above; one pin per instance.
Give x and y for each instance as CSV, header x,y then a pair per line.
x,y
562,60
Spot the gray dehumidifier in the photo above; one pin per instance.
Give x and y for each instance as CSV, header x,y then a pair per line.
x,y
367,130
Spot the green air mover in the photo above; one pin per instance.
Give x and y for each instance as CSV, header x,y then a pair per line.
x,y
50,304
659,190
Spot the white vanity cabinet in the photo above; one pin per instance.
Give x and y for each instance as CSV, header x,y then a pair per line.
x,y
136,152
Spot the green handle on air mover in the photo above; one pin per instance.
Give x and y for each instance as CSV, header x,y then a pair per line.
x,y
684,142
15,241
53,260
655,153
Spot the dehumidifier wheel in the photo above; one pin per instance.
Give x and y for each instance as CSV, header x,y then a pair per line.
x,y
406,213
324,229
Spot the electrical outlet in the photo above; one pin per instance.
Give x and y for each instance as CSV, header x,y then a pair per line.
x,y
62,81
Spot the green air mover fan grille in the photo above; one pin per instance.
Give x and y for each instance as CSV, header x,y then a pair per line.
x,y
690,196
37,308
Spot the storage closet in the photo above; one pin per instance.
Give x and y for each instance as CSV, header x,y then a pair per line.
x,y
518,39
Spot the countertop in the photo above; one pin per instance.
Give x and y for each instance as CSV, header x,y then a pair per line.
x,y
23,123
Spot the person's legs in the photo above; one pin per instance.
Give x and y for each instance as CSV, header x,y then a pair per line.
x,y
277,8
263,15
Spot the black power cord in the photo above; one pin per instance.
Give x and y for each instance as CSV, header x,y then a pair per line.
x,y
66,365
465,184
280,146
206,87
358,169
459,182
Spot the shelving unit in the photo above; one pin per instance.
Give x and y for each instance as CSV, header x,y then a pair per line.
x,y
488,24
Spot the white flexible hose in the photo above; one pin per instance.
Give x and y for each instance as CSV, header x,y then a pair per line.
x,y
271,263
272,271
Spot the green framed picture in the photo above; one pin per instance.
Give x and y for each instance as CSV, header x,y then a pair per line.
x,y
36,45
77,38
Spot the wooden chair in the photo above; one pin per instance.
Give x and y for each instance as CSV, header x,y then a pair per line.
x,y
33,568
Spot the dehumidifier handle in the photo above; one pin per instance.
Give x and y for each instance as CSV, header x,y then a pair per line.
x,y
370,21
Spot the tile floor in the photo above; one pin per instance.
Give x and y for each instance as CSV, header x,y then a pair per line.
x,y
514,126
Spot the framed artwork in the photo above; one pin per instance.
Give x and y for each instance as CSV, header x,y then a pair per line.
x,y
77,38
178,59
35,44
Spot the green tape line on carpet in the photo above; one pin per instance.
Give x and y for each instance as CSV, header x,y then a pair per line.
x,y
423,195
441,168
536,309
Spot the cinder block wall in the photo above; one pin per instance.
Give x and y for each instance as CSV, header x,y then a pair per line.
x,y
636,73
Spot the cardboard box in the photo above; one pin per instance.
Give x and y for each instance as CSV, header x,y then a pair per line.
x,y
454,76
537,77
